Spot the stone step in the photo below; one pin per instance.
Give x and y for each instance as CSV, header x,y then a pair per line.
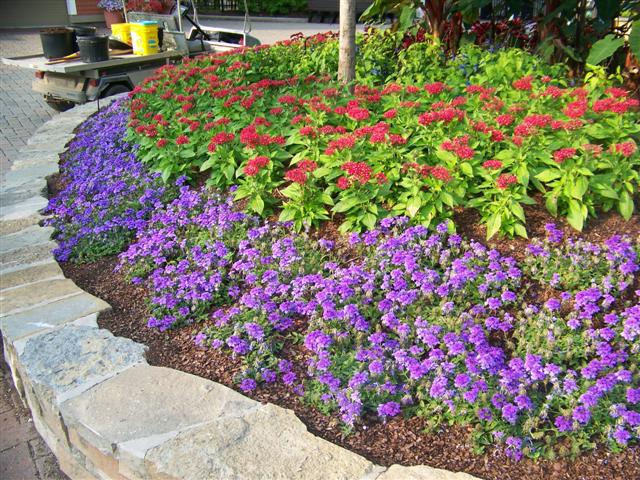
x,y
25,298
31,236
30,276
14,207
66,310
26,257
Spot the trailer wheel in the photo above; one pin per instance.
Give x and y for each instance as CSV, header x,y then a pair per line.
x,y
115,89
60,105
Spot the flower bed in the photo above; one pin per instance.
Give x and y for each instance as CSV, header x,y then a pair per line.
x,y
418,139
537,355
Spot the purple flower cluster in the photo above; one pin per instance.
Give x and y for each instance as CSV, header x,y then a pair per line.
x,y
107,194
418,319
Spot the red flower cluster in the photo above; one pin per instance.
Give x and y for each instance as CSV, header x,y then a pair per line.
x,y
525,83
300,174
342,143
445,115
439,172
459,146
562,154
506,179
254,165
182,140
250,137
612,105
625,149
576,109
492,164
435,88
504,120
220,138
358,170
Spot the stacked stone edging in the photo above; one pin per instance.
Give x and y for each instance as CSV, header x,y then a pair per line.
x,y
104,412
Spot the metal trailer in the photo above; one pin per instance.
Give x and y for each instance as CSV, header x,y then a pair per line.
x,y
75,82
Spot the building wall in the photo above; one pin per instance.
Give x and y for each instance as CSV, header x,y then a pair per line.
x,y
33,13
88,7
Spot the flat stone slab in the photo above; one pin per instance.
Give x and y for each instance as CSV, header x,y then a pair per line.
x,y
27,297
398,472
26,257
29,276
66,310
22,208
269,442
34,235
145,404
67,361
29,176
14,226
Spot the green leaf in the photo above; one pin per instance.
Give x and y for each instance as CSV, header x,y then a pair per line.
x,y
467,169
346,204
186,154
369,220
579,188
493,224
208,164
634,39
293,191
229,170
257,204
520,230
413,205
287,214
504,155
625,205
575,216
166,173
445,156
517,210
604,48
551,202
548,175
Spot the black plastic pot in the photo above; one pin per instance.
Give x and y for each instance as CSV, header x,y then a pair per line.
x,y
56,42
94,49
81,32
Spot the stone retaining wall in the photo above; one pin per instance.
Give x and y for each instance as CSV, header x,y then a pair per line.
x,y
103,411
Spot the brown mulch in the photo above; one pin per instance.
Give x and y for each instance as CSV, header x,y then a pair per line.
x,y
396,442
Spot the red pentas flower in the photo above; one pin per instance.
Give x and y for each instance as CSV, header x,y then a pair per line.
x,y
297,175
504,120
161,142
359,170
440,172
562,154
343,183
492,164
575,109
506,179
434,88
254,165
381,178
625,149
182,140
307,165
524,83
390,113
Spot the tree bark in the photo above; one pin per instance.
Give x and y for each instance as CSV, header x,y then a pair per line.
x,y
347,57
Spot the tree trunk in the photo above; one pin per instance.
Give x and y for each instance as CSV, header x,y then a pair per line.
x,y
347,58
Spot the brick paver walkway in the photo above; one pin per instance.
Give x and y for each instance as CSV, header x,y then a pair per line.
x,y
23,454
22,111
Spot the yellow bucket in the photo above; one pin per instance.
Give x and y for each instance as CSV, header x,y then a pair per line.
x,y
122,31
144,38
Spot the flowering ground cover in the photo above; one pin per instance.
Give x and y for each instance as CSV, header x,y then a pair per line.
x,y
534,357
418,138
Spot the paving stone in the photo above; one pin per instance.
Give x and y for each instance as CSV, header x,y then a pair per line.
x,y
34,235
67,361
13,431
26,257
398,472
13,226
47,141
22,208
67,310
143,405
28,276
48,468
16,464
269,442
39,448
21,179
25,298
